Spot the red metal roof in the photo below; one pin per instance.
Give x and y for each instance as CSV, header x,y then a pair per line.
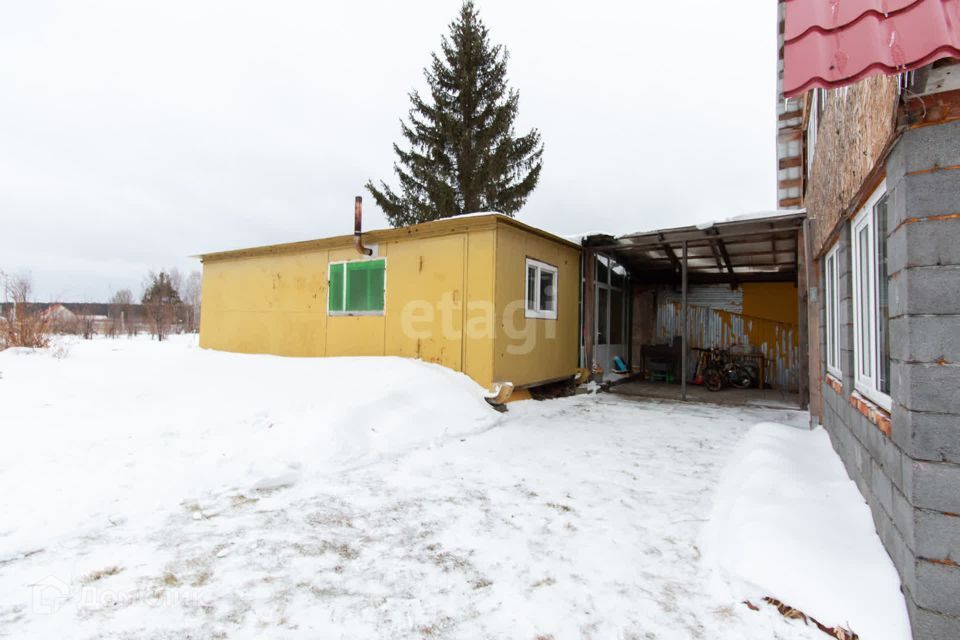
x,y
832,43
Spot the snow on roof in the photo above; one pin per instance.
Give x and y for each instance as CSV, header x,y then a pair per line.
x,y
743,217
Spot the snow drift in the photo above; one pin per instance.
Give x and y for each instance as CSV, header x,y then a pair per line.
x,y
788,523
72,460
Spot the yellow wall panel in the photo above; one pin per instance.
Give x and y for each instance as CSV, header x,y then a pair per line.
x,y
449,298
425,293
532,350
775,301
479,326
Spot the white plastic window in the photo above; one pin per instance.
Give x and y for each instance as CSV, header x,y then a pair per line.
x,y
541,290
871,340
832,304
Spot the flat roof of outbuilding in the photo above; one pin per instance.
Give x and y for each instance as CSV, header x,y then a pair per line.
x,y
433,228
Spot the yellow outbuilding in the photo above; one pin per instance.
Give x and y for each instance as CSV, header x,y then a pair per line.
x,y
483,294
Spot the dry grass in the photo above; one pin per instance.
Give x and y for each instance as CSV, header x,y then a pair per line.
x,y
100,574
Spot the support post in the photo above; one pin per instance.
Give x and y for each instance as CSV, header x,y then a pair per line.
x,y
589,306
803,290
683,329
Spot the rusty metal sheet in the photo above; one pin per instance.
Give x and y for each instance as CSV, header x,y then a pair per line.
x,y
715,319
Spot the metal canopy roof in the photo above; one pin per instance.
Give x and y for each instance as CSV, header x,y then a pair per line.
x,y
755,250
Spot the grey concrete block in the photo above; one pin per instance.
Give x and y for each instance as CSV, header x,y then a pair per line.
x,y
926,339
926,387
897,253
904,517
930,625
882,488
936,535
846,371
927,436
871,436
891,461
897,209
937,587
896,547
931,194
896,164
926,147
932,485
925,290
925,243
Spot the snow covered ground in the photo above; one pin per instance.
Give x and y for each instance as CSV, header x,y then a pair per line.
x,y
162,491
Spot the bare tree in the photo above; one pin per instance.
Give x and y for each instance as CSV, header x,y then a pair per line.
x,y
118,309
121,298
191,300
24,324
161,302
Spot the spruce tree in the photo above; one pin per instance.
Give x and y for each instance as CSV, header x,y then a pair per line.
x,y
463,153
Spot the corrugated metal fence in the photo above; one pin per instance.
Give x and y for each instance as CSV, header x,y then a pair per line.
x,y
715,319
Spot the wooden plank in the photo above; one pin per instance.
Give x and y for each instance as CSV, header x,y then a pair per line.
x,y
938,108
671,256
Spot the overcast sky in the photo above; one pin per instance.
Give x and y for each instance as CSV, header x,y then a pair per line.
x,y
134,134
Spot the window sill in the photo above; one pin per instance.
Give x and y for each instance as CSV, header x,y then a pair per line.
x,y
342,314
546,315
835,384
876,414
878,398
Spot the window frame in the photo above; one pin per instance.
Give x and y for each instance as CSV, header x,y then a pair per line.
x,y
864,221
541,267
832,308
344,312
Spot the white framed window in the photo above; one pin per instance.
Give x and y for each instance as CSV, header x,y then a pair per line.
x,y
871,315
540,290
831,289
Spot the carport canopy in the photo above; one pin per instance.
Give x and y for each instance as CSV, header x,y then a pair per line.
x,y
765,249
747,249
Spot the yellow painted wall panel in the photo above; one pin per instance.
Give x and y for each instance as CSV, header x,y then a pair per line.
x,y
355,336
479,321
455,299
249,304
532,350
425,291
775,301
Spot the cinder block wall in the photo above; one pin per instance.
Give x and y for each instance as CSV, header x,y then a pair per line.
x,y
907,465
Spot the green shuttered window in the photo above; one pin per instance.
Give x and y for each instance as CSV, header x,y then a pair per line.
x,y
357,287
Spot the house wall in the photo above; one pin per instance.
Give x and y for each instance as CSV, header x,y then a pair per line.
x,y
907,462
644,320
278,304
454,298
530,350
855,127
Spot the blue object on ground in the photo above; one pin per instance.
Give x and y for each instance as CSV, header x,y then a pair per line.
x,y
619,366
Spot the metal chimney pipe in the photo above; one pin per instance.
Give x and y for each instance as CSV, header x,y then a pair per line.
x,y
358,228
